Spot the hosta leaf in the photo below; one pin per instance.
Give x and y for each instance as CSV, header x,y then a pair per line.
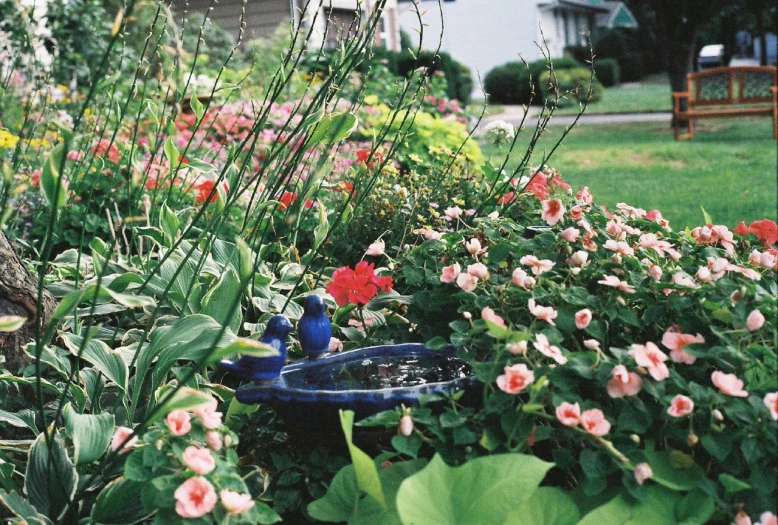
x,y
91,434
50,479
100,356
119,503
11,323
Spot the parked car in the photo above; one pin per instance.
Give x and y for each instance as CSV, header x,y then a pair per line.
x,y
711,56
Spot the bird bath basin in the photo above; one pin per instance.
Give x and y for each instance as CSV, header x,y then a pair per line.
x,y
310,393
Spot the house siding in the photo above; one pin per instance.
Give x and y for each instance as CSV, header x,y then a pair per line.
x,y
261,16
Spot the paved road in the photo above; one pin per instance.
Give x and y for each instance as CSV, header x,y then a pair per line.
x,y
514,114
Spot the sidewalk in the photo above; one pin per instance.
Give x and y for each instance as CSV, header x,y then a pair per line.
x,y
514,114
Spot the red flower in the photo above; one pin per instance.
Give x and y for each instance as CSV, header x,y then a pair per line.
x,y
344,185
507,198
358,285
765,230
538,186
286,199
364,154
107,149
204,189
741,229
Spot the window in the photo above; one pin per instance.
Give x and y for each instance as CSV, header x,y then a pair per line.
x,y
341,23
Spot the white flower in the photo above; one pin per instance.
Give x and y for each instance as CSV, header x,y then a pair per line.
x,y
499,131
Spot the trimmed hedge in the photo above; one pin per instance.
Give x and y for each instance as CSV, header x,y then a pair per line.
x,y
576,81
608,71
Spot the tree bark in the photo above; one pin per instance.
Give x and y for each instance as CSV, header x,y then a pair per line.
x,y
760,29
19,296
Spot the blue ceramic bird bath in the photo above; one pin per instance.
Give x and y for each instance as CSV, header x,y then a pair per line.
x,y
310,393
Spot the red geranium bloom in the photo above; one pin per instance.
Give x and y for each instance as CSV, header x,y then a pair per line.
x,y
538,186
741,229
357,286
204,189
507,198
765,230
107,149
344,185
364,154
286,199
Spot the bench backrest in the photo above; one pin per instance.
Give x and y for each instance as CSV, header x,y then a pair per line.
x,y
732,85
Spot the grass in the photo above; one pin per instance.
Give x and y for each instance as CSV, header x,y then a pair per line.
x,y
651,94
729,168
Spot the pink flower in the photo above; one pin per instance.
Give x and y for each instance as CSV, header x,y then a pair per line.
x,y
754,321
579,258
684,279
473,247
768,518
377,248
405,427
584,195
515,379
623,383
680,406
592,344
487,314
594,422
479,270
544,313
568,414
615,282
583,318
575,213
620,247
450,273
195,497
652,358
453,213
214,440
336,345
234,502
703,275
178,422
522,280
544,347
741,518
208,415
655,272
75,155
517,348
467,282
771,402
553,211
571,234
121,434
643,472
728,384
675,341
538,266
198,460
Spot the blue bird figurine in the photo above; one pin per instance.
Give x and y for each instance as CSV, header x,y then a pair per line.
x,y
314,329
264,368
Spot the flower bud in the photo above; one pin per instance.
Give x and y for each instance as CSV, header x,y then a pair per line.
x,y
717,415
158,444
692,439
517,348
635,438
621,301
405,427
467,315
228,441
643,472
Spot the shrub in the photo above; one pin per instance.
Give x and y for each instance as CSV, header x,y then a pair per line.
x,y
571,86
624,46
508,84
458,76
216,45
607,71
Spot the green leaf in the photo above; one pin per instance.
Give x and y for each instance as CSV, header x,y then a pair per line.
x,y
197,107
705,216
333,128
483,490
496,331
732,485
546,506
615,512
245,260
172,153
322,228
366,473
21,508
91,434
243,346
663,465
436,343
100,356
119,503
50,179
186,399
50,479
11,323
221,298
695,508
169,223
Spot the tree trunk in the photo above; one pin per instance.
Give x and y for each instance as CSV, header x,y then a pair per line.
x,y
19,296
679,38
760,29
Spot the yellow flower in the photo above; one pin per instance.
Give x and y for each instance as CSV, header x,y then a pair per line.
x,y
7,140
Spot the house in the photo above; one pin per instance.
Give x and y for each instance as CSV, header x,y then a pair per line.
x,y
483,34
261,17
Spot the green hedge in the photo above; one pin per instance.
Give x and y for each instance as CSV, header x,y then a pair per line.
x,y
608,71
575,81
622,45
510,83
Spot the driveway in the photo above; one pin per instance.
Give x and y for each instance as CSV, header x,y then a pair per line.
x,y
514,114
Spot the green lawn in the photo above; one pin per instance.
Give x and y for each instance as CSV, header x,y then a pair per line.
x,y
729,168
652,94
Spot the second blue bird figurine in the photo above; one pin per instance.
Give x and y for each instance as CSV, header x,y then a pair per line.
x,y
264,368
314,329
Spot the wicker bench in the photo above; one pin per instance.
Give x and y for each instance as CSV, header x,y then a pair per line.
x,y
726,92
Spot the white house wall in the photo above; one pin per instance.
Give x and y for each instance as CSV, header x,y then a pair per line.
x,y
481,34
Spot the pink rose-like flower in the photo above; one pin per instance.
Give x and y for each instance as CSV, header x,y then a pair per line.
x,y
208,415
728,384
538,266
121,434
542,345
479,270
771,402
553,211
675,341
643,472
179,422
519,348
467,282
584,195
234,502
652,358
75,155
623,383
703,275
583,318
768,518
680,406
473,247
592,344
487,314
450,273
544,313
214,440
579,258
576,213
655,272
405,427
754,321
336,345
568,414
571,234
453,212
198,460
195,497
522,280
515,379
594,422
377,248
741,518
615,282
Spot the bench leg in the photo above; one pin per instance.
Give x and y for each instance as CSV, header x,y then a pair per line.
x,y
677,130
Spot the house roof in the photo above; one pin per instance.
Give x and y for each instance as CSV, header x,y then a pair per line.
x,y
619,15
592,6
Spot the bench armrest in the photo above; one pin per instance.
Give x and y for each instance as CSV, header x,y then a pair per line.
x,y
677,96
